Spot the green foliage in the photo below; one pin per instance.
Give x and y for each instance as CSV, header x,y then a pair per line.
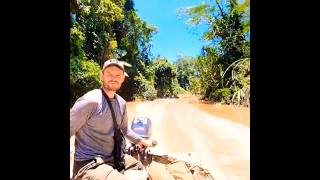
x,y
185,71
209,71
95,19
202,14
195,86
177,89
140,88
165,74
110,11
134,36
76,42
223,68
145,89
149,72
241,82
223,95
84,76
103,29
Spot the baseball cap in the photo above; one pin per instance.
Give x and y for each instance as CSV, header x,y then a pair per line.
x,y
116,63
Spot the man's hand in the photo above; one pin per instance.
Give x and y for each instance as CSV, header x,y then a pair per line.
x,y
147,142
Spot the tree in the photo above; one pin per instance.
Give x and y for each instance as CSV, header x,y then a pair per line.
x,y
96,19
229,24
133,36
84,73
165,75
185,71
103,29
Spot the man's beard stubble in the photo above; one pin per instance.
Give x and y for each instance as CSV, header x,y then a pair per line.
x,y
111,87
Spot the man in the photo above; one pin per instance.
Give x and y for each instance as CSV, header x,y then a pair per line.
x,y
92,124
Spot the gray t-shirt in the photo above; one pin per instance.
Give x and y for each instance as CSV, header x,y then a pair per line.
x,y
92,124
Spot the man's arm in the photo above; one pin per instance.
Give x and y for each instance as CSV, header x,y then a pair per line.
x,y
80,113
131,135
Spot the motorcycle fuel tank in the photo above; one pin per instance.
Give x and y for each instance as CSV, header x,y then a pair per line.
x,y
142,126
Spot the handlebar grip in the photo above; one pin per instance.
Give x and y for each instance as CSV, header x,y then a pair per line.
x,y
154,142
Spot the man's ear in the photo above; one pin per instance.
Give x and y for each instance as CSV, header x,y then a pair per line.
x,y
122,79
101,75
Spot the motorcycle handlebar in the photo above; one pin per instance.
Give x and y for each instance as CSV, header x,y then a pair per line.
x,y
154,143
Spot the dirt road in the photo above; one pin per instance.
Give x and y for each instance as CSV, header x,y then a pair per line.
x,y
191,131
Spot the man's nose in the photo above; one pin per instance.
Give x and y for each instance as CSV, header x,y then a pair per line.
x,y
113,78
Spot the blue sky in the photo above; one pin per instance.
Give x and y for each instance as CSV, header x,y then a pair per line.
x,y
174,36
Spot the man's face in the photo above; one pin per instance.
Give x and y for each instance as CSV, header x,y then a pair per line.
x,y
112,78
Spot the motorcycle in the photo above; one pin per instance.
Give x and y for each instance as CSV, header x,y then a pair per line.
x,y
159,166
